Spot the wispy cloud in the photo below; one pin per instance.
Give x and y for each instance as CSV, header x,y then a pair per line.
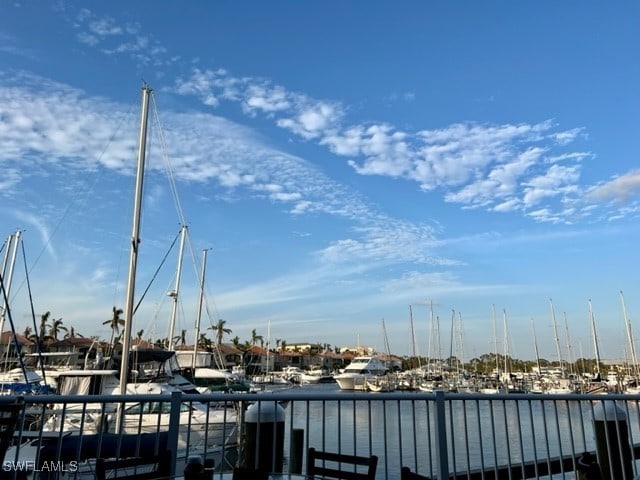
x,y
524,168
527,168
69,128
113,38
619,188
10,45
27,218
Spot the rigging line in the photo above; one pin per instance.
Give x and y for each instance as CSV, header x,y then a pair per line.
x,y
17,345
75,198
33,313
167,161
198,274
155,274
174,190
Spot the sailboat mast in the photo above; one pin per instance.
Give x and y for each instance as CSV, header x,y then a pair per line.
x,y
199,315
507,369
413,338
135,242
176,291
555,334
460,345
535,347
569,347
632,348
495,338
595,337
12,244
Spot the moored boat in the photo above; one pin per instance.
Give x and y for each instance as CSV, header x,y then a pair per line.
x,y
356,375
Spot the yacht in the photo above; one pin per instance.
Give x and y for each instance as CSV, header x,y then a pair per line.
x,y
359,371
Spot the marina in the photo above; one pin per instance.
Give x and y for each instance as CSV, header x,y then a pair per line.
x,y
254,411
440,435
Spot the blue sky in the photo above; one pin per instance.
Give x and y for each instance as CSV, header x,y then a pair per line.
x,y
339,160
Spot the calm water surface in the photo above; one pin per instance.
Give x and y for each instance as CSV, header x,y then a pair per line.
x,y
481,433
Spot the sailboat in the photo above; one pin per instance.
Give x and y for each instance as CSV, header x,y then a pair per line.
x,y
596,384
631,384
204,429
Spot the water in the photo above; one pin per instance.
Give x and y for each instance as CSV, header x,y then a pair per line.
x,y
481,433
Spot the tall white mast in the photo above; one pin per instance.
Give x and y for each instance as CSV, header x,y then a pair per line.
x,y
569,347
174,294
507,370
595,337
11,249
199,314
555,335
535,347
632,347
135,243
495,337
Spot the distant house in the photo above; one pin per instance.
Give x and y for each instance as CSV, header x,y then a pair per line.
x,y
219,356
84,348
229,355
8,348
291,358
258,360
303,347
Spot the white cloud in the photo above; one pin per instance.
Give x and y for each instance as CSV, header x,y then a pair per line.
x,y
313,120
71,129
496,167
618,188
553,182
259,97
104,27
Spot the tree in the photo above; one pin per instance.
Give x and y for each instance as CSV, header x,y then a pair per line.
x,y
27,332
139,334
220,331
204,342
182,338
255,338
44,320
71,333
114,323
56,327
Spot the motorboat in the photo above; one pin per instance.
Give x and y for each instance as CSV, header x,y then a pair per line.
x,y
357,374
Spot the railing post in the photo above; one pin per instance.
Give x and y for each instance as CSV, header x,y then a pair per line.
x,y
174,427
442,454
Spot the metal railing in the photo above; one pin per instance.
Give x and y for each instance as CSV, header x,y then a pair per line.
x,y
445,436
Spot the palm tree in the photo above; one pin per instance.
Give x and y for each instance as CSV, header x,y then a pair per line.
x,y
139,334
114,323
255,338
71,333
204,342
220,330
42,333
56,327
182,338
27,332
